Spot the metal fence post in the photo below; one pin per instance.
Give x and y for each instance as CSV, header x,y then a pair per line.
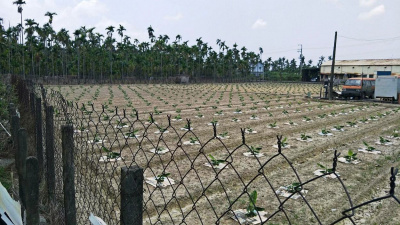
x,y
50,174
39,133
68,174
32,191
22,153
131,195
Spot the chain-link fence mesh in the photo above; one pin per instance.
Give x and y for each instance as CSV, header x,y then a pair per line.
x,y
189,179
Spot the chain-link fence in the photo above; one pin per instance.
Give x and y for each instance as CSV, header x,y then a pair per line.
x,y
187,179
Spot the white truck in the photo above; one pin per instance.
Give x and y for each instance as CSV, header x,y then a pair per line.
x,y
387,88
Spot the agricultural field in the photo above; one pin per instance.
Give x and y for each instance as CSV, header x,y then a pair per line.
x,y
366,135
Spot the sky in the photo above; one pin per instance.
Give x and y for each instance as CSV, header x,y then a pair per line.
x,y
367,29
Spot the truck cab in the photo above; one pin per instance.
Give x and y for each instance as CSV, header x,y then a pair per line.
x,y
359,87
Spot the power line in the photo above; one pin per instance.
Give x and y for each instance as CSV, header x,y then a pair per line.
x,y
380,39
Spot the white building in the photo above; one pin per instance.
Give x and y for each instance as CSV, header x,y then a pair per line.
x,y
257,69
370,68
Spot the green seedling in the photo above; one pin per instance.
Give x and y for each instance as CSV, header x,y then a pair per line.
x,y
252,210
351,124
223,134
110,154
351,156
193,140
178,117
383,140
338,127
214,161
284,142
214,121
159,149
306,118
325,169
272,124
325,131
160,178
294,187
254,150
368,147
106,117
305,137
132,134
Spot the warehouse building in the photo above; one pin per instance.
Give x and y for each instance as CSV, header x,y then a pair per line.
x,y
368,68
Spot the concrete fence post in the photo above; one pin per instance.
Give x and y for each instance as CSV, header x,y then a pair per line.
x,y
32,102
22,153
39,133
50,172
131,195
68,174
14,129
32,191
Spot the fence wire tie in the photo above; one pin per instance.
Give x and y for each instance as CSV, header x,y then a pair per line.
x,y
137,114
214,128
392,181
243,138
188,124
335,158
169,120
116,110
151,118
279,143
124,111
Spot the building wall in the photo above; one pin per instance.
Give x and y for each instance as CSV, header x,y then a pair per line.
x,y
359,70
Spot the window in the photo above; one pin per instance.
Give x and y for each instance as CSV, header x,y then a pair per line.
x,y
353,82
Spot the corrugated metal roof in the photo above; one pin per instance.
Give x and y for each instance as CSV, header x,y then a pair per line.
x,y
364,62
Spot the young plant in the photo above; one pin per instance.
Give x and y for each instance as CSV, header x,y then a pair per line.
x,y
199,115
96,138
254,150
214,161
325,169
305,137
351,156
250,130
178,117
383,140
214,121
325,131
307,119
368,147
252,210
294,187
193,140
284,142
110,154
235,119
159,149
338,127
238,110
223,134
120,123
160,178
351,124
132,134
272,125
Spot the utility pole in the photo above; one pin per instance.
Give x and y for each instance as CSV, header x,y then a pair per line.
x,y
332,69
301,57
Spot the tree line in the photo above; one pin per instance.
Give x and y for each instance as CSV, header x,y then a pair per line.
x,y
87,54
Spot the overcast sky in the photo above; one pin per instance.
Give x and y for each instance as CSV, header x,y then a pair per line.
x,y
367,29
